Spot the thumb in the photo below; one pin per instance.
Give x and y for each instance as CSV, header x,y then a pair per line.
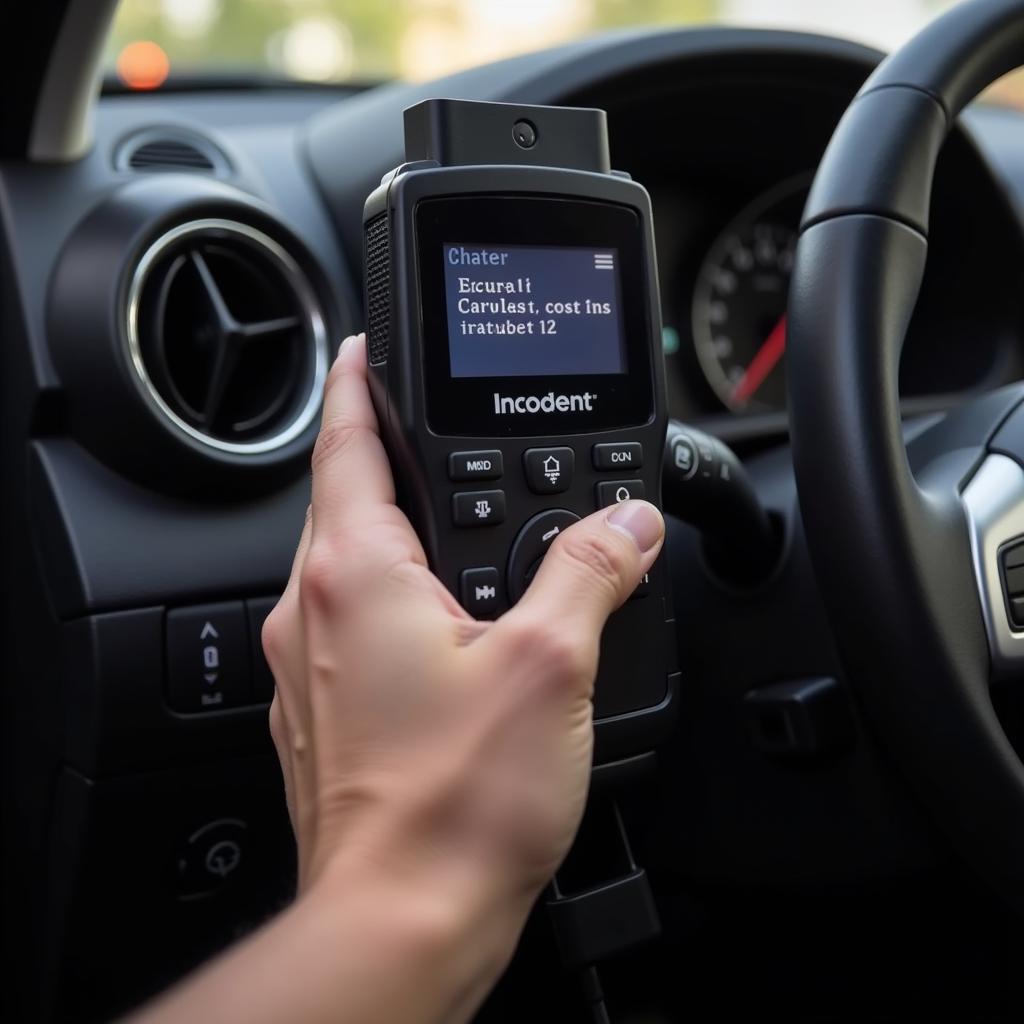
x,y
592,568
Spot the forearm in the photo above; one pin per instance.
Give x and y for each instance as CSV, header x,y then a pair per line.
x,y
361,950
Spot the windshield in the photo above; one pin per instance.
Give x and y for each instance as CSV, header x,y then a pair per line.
x,y
362,41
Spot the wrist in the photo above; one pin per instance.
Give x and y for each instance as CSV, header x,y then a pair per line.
x,y
446,929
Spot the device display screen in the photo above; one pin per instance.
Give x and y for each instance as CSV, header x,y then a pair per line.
x,y
530,311
536,315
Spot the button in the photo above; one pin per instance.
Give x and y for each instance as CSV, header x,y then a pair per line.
x,y
475,465
213,855
1013,556
532,544
1017,612
685,457
262,678
208,667
611,492
478,592
1015,580
548,470
478,508
627,455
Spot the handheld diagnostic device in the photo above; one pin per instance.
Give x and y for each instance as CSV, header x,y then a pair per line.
x,y
514,337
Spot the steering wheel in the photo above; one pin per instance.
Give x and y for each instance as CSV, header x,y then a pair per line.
x,y
913,542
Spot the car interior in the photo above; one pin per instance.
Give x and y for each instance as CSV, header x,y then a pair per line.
x,y
830,816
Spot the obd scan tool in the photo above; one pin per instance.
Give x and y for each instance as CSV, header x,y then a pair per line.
x,y
514,335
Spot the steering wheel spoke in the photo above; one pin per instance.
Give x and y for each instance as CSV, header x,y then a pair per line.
x,y
908,541
994,505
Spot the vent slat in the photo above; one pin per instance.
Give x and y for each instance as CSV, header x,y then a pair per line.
x,y
170,153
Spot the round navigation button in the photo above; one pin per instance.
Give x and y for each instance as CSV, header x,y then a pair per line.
x,y
530,546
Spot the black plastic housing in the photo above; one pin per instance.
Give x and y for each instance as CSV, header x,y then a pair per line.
x,y
633,702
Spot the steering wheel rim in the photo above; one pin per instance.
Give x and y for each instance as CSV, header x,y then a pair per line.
x,y
892,553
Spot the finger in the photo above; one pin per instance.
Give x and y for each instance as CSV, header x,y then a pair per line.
x,y
350,467
591,569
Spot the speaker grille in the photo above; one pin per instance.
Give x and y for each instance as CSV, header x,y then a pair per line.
x,y
378,288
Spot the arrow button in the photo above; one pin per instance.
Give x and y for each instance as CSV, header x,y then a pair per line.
x,y
209,662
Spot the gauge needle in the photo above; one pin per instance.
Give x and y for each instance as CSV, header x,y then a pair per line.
x,y
762,364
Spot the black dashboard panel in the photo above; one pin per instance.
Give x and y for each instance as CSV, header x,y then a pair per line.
x,y
104,544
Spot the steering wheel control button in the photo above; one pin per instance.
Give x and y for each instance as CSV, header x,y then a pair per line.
x,y
478,508
1015,581
478,591
611,492
262,677
1013,556
475,465
531,545
549,470
1011,564
208,666
624,456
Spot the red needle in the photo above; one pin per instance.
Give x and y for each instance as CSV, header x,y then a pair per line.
x,y
762,364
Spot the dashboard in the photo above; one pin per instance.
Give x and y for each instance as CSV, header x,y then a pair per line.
x,y
157,494
726,223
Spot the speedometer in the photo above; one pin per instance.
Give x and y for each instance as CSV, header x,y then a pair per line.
x,y
739,303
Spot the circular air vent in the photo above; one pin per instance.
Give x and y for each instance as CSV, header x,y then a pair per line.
x,y
168,148
227,337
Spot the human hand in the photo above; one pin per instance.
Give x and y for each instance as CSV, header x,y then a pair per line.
x,y
439,751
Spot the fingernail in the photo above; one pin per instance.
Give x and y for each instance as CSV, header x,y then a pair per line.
x,y
641,520
348,343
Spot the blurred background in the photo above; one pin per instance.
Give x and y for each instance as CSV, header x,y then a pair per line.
x,y
367,41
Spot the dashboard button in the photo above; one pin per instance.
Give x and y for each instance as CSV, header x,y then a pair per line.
x,y
208,667
478,508
478,591
624,456
611,492
549,470
262,678
212,856
486,465
532,544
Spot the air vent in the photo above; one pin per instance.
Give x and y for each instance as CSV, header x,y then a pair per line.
x,y
169,153
227,337
170,149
